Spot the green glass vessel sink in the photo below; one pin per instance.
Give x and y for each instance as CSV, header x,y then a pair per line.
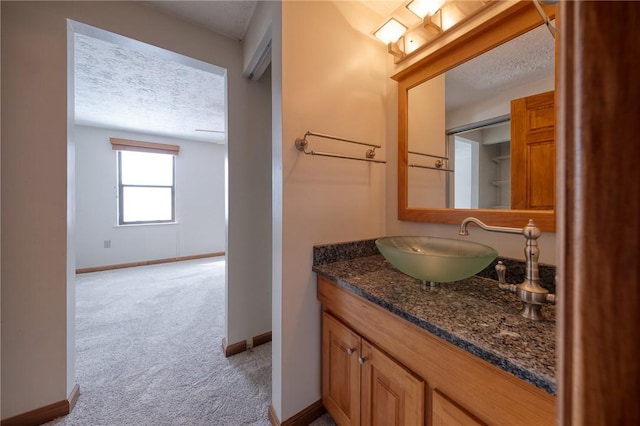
x,y
437,260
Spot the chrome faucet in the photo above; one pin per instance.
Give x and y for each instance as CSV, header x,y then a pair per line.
x,y
530,292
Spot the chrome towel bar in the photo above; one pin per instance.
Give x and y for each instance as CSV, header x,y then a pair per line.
x,y
438,164
302,144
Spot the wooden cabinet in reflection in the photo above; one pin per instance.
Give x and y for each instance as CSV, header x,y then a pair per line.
x,y
533,152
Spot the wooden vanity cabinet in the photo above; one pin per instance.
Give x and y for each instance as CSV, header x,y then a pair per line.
x,y
408,376
340,371
445,412
363,385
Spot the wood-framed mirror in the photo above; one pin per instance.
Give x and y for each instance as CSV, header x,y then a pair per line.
x,y
526,200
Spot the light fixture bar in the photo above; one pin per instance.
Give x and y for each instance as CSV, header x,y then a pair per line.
x,y
397,48
433,23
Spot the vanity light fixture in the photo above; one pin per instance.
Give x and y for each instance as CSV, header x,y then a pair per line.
x,y
390,31
437,17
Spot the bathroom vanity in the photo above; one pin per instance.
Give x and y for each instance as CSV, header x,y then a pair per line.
x,y
396,353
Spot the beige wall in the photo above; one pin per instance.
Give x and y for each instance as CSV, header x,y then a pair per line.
x,y
249,205
333,81
34,213
37,226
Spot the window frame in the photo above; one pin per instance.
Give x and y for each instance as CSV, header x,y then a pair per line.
x,y
120,145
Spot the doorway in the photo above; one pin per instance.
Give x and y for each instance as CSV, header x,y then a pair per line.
x,y
127,90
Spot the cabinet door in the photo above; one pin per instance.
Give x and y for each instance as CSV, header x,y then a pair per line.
x,y
391,395
340,371
446,413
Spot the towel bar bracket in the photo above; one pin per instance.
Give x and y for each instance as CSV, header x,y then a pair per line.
x,y
301,144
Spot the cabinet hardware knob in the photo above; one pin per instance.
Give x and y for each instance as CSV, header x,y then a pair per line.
x,y
350,351
362,360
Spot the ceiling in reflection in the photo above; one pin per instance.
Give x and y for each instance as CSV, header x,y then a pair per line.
x,y
527,58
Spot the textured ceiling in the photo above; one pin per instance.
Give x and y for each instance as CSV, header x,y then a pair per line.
x,y
524,59
122,87
229,18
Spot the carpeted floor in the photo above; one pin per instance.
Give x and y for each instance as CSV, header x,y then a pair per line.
x,y
149,351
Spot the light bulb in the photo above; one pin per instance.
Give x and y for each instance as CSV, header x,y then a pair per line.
x,y
423,8
390,32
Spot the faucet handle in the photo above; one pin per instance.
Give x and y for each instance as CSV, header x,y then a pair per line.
x,y
501,270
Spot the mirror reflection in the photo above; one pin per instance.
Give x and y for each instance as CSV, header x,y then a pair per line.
x,y
482,164
482,134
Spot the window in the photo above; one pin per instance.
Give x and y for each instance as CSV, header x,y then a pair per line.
x,y
146,183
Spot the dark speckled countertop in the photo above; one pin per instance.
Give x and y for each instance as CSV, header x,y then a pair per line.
x,y
473,314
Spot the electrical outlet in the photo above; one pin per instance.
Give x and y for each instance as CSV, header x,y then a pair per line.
x,y
249,344
107,243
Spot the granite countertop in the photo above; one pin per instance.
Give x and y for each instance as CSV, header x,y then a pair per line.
x,y
473,314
